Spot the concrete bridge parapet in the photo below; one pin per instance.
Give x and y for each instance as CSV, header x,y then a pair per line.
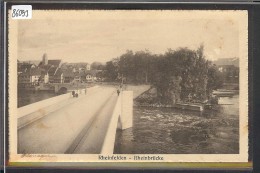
x,y
32,112
122,118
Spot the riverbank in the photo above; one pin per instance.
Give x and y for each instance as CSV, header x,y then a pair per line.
x,y
149,99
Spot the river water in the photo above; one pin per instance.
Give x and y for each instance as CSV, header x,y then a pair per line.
x,y
172,131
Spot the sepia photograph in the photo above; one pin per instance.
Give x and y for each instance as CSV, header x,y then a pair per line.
x,y
128,86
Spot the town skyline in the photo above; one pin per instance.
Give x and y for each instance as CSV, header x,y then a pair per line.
x,y
53,58
102,35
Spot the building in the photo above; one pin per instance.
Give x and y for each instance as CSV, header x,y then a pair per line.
x,y
50,63
229,67
88,67
55,63
58,76
51,73
231,73
35,74
24,78
91,75
46,77
24,66
77,77
68,75
30,76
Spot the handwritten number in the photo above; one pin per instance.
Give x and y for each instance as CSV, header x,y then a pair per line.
x,y
21,13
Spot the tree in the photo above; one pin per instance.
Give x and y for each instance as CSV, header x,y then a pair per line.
x,y
142,66
178,75
184,73
111,70
216,78
97,66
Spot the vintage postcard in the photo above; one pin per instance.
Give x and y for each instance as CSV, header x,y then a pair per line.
x,y
128,86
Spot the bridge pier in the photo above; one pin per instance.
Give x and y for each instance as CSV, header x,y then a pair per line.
x,y
56,88
122,118
126,117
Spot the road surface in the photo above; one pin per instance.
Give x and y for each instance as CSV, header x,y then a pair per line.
x,y
79,127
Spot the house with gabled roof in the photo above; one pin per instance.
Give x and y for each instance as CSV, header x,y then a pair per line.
x,y
55,62
51,71
44,75
68,75
77,77
58,76
50,63
229,67
23,67
31,76
35,74
91,75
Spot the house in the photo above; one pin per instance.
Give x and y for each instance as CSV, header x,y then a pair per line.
x,y
230,72
50,63
44,76
91,75
23,67
35,74
51,73
227,61
229,67
55,75
77,77
24,78
58,76
55,63
82,76
68,75
87,67
31,76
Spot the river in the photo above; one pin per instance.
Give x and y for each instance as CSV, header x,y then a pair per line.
x,y
173,131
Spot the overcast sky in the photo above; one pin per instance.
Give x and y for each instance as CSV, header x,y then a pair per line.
x,y
102,36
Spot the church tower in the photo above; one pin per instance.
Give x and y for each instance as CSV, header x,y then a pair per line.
x,y
44,59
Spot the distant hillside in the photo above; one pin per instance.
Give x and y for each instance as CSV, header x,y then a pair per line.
x,y
227,61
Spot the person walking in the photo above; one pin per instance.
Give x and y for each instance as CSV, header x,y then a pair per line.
x,y
118,92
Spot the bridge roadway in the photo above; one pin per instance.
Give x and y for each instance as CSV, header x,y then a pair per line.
x,y
79,127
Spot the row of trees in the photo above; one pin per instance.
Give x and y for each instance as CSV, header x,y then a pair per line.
x,y
177,74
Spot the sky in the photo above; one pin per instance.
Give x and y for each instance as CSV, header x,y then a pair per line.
x,y
100,36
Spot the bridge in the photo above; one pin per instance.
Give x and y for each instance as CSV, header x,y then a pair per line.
x,y
63,87
83,125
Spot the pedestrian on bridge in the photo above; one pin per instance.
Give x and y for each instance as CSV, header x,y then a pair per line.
x,y
118,92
